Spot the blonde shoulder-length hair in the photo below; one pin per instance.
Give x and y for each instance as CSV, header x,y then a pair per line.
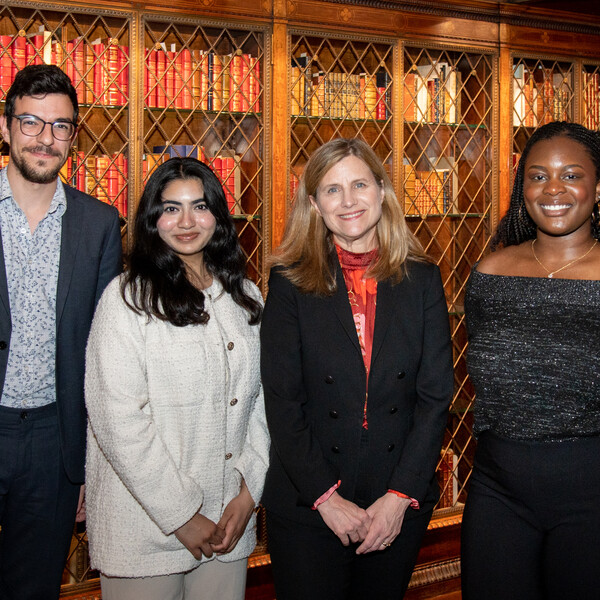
x,y
306,252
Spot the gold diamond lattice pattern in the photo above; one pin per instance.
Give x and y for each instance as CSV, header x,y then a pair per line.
x,y
204,93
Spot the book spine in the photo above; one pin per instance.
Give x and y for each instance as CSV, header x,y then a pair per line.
x,y
161,73
171,69
235,83
186,79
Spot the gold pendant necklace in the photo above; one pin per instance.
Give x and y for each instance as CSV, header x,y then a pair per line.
x,y
552,273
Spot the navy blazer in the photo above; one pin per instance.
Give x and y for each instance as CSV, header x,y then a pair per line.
x,y
90,256
314,383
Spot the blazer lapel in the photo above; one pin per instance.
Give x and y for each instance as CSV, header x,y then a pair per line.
x,y
342,307
383,316
69,243
4,301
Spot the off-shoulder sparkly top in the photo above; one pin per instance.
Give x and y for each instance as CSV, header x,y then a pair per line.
x,y
534,356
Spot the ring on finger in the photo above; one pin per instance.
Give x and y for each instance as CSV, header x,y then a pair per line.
x,y
385,544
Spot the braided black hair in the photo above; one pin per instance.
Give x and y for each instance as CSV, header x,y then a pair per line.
x,y
517,226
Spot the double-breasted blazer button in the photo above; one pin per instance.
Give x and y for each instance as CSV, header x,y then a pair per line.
x,y
401,375
233,402
393,410
333,414
230,346
329,379
335,449
3,345
391,447
228,456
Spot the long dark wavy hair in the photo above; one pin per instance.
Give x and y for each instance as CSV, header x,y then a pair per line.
x,y
517,226
156,276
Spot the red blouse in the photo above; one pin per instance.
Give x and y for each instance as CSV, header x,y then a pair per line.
x,y
362,294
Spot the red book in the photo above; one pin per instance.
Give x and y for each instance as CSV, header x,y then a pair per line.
x,y
235,83
39,48
113,183
123,77
216,165
380,109
229,166
161,73
255,107
172,70
98,55
246,86
101,174
19,49
79,170
204,80
76,66
69,67
124,189
88,76
149,78
186,79
111,70
410,94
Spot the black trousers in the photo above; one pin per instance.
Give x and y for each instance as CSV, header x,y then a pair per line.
x,y
310,563
37,505
531,526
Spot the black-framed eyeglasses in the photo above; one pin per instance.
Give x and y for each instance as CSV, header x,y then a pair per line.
x,y
31,125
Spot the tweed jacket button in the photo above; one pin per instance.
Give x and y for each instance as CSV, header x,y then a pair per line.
x,y
393,410
391,447
335,449
228,456
230,346
333,414
329,379
233,402
401,375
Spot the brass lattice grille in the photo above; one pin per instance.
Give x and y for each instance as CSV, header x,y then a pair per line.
x,y
339,88
447,194
93,49
542,92
203,96
591,97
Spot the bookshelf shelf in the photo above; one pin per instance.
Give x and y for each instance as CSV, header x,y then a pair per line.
x,y
448,215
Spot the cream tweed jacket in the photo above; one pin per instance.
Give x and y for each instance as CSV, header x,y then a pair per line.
x,y
175,420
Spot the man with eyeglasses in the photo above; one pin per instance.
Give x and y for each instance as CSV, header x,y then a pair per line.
x,y
59,249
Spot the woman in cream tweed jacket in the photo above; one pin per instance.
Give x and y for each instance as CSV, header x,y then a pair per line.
x,y
177,439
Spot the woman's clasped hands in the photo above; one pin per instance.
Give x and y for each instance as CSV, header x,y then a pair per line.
x,y
202,536
376,527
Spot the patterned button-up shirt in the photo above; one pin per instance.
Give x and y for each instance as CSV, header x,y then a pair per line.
x,y
31,261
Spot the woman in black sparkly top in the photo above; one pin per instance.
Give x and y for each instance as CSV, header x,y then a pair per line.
x,y
531,527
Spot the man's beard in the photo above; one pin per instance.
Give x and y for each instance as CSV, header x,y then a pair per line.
x,y
33,173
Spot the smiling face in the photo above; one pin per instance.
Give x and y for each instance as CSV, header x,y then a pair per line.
x,y
186,224
349,200
38,159
560,187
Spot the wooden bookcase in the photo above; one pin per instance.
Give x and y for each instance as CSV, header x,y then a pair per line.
x,y
446,92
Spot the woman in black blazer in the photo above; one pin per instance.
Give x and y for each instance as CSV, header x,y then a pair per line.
x,y
357,372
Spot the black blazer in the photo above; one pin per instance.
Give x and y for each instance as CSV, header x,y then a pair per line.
x,y
314,383
90,256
